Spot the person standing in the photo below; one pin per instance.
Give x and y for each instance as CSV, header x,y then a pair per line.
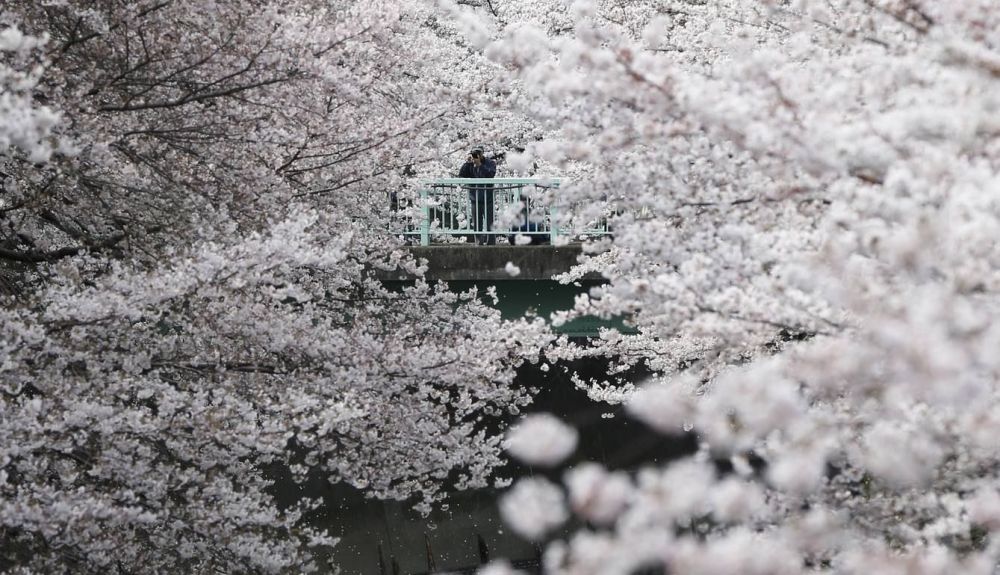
x,y
478,165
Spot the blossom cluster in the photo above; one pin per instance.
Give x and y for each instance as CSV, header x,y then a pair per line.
x,y
806,247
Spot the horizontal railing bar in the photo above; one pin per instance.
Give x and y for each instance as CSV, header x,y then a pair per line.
x,y
483,209
519,181
479,184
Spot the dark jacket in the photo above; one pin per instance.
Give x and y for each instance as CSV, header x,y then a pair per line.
x,y
488,169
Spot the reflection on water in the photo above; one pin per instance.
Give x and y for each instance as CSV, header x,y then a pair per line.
x,y
389,538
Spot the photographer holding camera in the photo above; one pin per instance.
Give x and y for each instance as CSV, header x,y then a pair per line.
x,y
481,196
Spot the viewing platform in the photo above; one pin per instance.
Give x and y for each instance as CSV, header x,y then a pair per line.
x,y
513,211
533,235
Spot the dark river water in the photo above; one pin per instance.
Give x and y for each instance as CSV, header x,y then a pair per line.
x,y
390,538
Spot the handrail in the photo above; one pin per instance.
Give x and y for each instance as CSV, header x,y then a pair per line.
x,y
486,210
521,181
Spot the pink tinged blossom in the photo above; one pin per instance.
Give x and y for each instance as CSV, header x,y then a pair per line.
x,y
984,508
601,553
23,124
581,9
596,494
476,29
677,493
499,568
541,439
817,530
12,40
739,551
533,507
520,162
797,471
657,30
526,45
735,500
664,406
902,457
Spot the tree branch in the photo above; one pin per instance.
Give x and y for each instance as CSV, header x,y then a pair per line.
x,y
39,256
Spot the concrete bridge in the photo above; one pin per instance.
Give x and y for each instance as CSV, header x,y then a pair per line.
x,y
388,537
470,262
533,289
438,214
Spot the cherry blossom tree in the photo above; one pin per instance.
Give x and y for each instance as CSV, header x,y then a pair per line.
x,y
193,213
25,125
807,247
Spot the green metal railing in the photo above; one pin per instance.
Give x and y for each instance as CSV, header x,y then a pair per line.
x,y
448,209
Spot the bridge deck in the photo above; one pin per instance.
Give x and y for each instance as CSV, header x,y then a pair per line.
x,y
464,262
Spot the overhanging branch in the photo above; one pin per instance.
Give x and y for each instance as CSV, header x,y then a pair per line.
x,y
39,256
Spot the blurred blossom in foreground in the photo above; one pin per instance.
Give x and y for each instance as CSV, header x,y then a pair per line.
x,y
541,439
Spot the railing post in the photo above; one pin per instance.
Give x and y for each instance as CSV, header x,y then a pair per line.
x,y
553,216
553,225
425,225
456,197
521,222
